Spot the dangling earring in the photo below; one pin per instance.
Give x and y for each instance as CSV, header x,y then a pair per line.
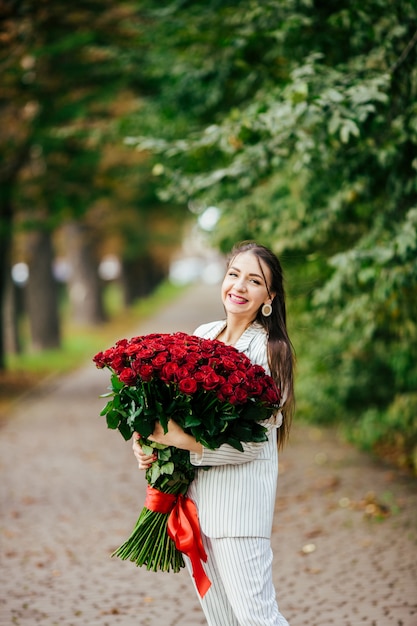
x,y
266,309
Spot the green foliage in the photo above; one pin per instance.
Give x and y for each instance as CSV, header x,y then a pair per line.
x,y
136,408
391,433
311,148
62,70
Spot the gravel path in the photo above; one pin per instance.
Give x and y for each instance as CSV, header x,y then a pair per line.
x,y
345,531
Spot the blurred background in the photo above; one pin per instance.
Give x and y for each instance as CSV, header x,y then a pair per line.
x,y
140,140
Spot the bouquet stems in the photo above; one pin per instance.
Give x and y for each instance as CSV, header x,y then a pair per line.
x,y
149,543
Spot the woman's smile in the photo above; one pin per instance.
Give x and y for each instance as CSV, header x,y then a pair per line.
x,y
237,299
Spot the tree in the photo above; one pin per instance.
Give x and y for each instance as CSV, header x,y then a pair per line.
x,y
55,66
42,292
63,69
317,156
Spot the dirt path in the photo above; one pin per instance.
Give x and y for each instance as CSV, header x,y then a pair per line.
x,y
345,533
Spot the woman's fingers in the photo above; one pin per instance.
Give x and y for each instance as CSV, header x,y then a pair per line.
x,y
144,460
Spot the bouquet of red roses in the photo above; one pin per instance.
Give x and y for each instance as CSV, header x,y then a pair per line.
x,y
213,392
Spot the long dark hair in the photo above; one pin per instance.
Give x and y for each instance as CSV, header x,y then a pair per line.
x,y
280,349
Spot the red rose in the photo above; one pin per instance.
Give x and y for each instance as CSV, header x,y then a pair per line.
x,y
183,372
128,376
145,371
211,382
258,371
243,369
228,364
255,388
108,355
168,372
240,396
235,378
177,352
193,348
99,360
158,346
199,376
191,361
132,350
271,395
225,392
160,359
118,363
188,385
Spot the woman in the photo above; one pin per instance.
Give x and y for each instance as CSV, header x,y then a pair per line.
x,y
235,498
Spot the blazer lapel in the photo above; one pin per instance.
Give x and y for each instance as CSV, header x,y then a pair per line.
x,y
213,331
244,340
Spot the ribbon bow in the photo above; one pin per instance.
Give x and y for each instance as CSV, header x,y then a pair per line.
x,y
184,529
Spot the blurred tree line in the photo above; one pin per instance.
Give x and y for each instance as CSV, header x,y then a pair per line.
x,y
296,118
69,188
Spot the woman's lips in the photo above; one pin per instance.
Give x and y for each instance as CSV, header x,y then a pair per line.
x,y
237,299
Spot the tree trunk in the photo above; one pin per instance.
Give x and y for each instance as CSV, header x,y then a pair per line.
x,y
6,219
85,286
139,277
42,293
12,312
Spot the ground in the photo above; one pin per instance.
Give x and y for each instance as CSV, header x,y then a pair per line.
x,y
344,536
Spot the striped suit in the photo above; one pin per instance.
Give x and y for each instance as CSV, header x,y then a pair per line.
x,y
235,500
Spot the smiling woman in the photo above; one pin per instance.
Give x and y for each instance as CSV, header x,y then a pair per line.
x,y
244,291
234,490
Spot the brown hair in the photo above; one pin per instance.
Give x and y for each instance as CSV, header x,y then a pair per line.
x,y
280,349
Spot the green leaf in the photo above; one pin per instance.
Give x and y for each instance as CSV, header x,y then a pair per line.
x,y
125,431
190,421
235,443
253,412
117,385
146,428
107,408
113,419
117,401
348,128
161,446
155,473
164,454
167,468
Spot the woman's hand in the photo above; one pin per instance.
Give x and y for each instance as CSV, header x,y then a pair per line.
x,y
144,460
175,436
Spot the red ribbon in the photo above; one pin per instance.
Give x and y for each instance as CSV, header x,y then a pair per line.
x,y
184,529
159,502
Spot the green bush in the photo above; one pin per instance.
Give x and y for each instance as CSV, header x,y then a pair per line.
x,y
391,434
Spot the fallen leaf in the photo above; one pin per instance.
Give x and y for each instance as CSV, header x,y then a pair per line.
x,y
308,548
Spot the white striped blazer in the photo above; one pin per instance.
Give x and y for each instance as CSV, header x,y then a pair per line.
x,y
236,496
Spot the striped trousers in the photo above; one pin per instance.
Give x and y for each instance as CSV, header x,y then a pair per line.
x,y
241,592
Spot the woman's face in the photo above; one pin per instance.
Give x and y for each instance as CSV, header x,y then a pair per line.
x,y
243,289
